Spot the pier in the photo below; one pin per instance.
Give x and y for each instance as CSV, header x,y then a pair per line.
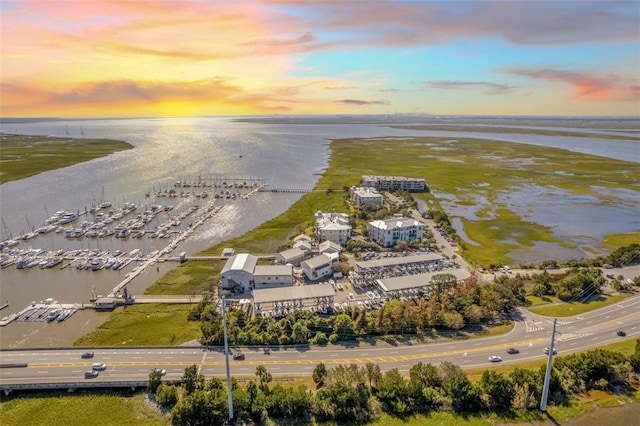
x,y
289,190
168,249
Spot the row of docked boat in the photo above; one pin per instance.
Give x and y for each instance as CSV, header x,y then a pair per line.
x,y
82,259
45,314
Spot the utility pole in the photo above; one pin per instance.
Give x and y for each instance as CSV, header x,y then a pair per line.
x,y
547,374
226,358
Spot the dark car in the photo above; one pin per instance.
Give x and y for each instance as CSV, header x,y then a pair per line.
x,y
621,333
513,351
90,374
238,356
87,355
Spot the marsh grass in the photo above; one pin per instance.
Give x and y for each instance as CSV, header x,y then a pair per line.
x,y
526,131
144,325
24,156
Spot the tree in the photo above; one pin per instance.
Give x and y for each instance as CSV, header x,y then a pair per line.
x,y
373,373
452,320
457,387
343,326
191,380
392,390
264,378
496,390
155,379
319,375
166,395
422,376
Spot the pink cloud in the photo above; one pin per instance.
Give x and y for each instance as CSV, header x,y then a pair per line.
x,y
587,87
395,23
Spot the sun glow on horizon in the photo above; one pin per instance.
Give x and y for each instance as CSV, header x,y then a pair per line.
x,y
103,58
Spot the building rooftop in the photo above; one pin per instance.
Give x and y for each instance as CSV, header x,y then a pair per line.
x,y
296,292
273,270
399,260
317,261
418,280
241,262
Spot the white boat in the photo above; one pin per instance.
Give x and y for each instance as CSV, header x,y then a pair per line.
x,y
68,218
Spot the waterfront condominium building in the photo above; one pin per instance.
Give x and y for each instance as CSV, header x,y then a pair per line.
x,y
333,227
362,195
386,183
388,232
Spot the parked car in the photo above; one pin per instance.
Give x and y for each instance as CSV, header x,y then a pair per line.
x,y
621,333
238,356
99,366
495,358
159,370
513,351
87,355
90,374
546,351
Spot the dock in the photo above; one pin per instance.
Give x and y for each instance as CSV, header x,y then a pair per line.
x,y
168,249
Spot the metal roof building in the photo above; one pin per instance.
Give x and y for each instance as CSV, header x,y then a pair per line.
x,y
297,292
417,281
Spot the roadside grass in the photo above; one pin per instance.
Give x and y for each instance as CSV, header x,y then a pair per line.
x,y
569,309
81,408
538,301
144,325
493,331
24,156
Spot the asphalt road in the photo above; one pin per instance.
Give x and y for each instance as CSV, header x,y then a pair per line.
x,y
530,335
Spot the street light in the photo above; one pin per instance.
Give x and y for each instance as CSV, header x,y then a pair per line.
x,y
226,358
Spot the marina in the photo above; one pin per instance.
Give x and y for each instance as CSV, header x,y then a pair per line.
x,y
169,224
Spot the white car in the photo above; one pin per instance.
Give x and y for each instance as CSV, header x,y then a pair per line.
x,y
159,370
351,296
99,366
495,358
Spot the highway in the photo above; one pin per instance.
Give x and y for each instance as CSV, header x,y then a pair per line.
x,y
530,336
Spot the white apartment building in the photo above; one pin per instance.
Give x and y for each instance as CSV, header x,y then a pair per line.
x,y
333,227
388,232
318,267
385,183
271,276
362,195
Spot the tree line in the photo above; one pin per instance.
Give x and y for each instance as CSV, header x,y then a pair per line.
x,y
449,305
352,393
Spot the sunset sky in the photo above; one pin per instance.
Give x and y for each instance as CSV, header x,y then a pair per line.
x,y
100,58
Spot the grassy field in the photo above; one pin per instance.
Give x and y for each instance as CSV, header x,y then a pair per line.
x,y
24,156
144,325
82,408
570,309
